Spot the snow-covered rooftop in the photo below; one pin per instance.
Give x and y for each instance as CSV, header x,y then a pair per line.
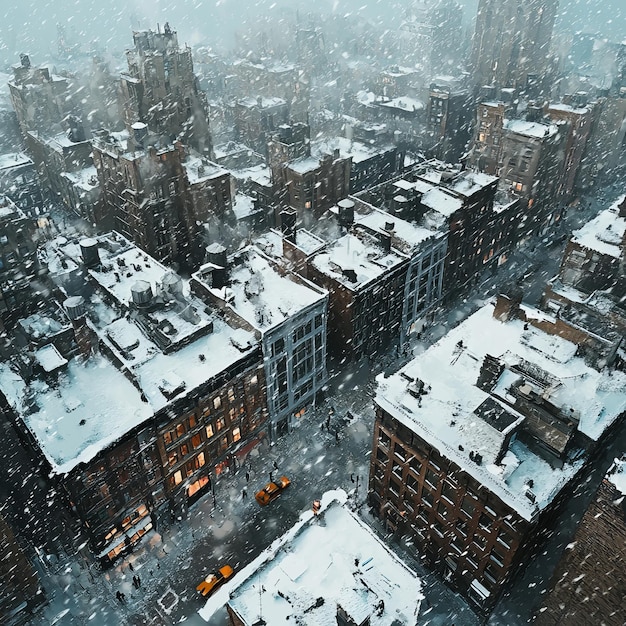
x,y
406,236
359,254
530,129
271,243
469,183
404,103
93,403
14,159
451,415
262,102
347,148
335,557
304,164
442,202
605,232
261,295
199,170
86,178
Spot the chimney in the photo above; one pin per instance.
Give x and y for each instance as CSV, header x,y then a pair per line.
x,y
25,61
288,225
508,306
76,129
336,154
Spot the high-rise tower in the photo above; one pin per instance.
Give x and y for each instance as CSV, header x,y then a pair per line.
x,y
511,45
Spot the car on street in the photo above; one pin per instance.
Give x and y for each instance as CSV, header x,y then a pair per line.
x,y
214,580
272,490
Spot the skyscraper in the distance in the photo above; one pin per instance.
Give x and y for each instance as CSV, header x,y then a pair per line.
x,y
511,46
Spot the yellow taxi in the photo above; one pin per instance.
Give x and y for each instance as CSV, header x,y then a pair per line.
x,y
214,580
272,490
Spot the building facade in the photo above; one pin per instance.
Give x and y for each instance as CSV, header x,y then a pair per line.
x,y
474,447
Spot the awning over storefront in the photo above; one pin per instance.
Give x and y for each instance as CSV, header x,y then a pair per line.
x,y
139,529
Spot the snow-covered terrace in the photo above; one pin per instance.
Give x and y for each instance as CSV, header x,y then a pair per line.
x,y
450,416
261,295
604,233
359,254
442,202
335,557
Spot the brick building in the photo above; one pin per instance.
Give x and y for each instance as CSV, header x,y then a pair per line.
x,y
152,396
529,159
587,585
478,440
161,90
161,197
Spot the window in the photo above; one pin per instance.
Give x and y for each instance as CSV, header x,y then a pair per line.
x,y
231,394
431,478
427,498
505,539
173,457
217,402
383,439
180,430
196,440
278,347
485,522
254,381
411,483
448,492
443,510
199,460
220,423
209,431
394,488
223,443
178,477
167,438
236,434
192,421
397,470
468,506
415,465
318,321
461,527
381,456
497,557
184,450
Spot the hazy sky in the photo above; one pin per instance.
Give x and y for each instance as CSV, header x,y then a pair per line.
x,y
30,25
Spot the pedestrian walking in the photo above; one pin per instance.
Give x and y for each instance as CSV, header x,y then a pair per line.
x,y
322,426
244,493
123,597
130,566
275,465
138,582
337,436
271,477
247,477
328,422
135,582
118,595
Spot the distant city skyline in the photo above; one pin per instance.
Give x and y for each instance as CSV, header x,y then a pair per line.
x,y
30,26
